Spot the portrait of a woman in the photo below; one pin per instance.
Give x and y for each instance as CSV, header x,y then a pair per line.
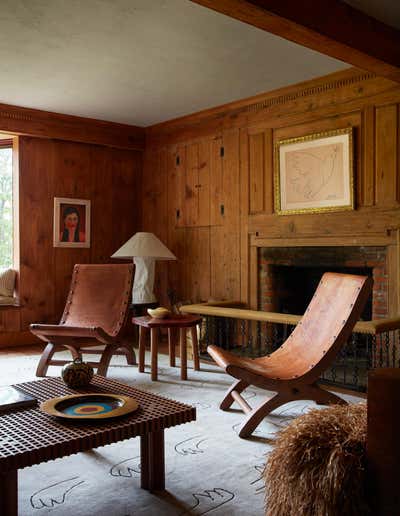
x,y
71,226
71,222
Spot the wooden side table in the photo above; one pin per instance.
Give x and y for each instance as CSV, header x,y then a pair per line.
x,y
177,324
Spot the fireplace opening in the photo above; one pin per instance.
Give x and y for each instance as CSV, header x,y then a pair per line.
x,y
295,286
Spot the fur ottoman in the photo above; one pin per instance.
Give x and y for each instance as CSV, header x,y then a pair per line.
x,y
317,466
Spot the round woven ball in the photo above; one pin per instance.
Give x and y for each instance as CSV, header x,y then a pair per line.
x,y
77,374
317,465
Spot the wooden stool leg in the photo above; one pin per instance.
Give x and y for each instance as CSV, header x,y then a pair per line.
x,y
195,346
142,348
183,353
172,334
9,493
154,352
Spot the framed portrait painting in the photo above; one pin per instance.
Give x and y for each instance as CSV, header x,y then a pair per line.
x,y
71,222
314,173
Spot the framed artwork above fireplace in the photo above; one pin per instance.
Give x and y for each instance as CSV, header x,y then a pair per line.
x,y
314,173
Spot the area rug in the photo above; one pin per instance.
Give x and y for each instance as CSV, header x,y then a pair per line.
x,y
209,469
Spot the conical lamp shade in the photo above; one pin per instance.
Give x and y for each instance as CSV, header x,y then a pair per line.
x,y
144,245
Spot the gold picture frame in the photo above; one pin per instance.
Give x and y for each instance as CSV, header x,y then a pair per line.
x,y
314,173
71,225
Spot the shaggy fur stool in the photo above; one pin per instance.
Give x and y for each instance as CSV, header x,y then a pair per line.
x,y
317,466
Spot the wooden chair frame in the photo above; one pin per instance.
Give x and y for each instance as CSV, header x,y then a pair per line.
x,y
293,370
77,338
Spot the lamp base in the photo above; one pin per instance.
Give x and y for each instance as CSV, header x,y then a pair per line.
x,y
143,283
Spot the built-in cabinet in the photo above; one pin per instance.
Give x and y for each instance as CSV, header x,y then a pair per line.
x,y
211,190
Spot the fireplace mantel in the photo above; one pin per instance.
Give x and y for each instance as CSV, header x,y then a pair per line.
x,y
390,240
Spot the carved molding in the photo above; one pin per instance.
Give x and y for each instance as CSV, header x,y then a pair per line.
x,y
307,92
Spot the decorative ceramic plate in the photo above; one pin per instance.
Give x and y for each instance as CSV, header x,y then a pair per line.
x,y
89,406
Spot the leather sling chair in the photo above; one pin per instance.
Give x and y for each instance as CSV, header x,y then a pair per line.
x,y
292,371
95,314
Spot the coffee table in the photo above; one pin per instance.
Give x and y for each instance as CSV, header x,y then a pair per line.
x,y
29,436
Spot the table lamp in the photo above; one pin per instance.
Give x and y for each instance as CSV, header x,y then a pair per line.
x,y
145,249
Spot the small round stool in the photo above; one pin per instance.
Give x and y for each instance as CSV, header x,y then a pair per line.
x,y
178,324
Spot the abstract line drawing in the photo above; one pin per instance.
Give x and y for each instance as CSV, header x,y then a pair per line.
x,y
190,446
127,468
259,482
55,494
209,500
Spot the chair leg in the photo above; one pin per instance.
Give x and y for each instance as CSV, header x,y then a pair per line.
x,y
129,353
45,359
105,359
238,386
254,418
321,396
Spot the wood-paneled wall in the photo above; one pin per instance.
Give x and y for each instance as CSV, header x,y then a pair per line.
x,y
215,207
110,178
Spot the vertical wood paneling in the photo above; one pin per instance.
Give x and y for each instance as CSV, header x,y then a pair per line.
x,y
180,165
216,182
110,178
268,171
386,155
230,181
101,243
225,239
37,270
225,263
197,264
257,172
204,182
191,200
367,186
260,162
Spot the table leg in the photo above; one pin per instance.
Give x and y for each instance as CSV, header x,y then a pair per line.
x,y
152,460
154,352
195,346
183,352
142,348
172,334
9,493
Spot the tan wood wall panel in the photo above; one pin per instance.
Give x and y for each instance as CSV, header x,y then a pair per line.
x,y
191,199
386,155
216,183
37,260
257,172
110,178
242,180
196,264
225,263
204,182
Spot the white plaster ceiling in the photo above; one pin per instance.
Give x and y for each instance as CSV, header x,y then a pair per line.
x,y
140,61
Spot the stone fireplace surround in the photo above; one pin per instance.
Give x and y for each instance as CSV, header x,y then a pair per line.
x,y
370,260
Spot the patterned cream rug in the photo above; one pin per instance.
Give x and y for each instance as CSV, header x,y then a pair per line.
x,y
209,469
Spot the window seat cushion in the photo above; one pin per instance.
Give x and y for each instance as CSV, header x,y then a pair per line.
x,y
8,300
7,282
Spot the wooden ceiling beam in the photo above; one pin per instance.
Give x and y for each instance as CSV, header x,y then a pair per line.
x,y
331,27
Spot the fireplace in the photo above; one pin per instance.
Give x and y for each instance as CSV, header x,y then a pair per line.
x,y
288,277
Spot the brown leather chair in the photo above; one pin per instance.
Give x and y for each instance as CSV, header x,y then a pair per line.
x,y
95,314
292,371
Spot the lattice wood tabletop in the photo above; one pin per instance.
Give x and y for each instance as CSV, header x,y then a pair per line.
x,y
29,436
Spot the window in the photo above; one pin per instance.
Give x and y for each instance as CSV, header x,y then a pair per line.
x,y
6,205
